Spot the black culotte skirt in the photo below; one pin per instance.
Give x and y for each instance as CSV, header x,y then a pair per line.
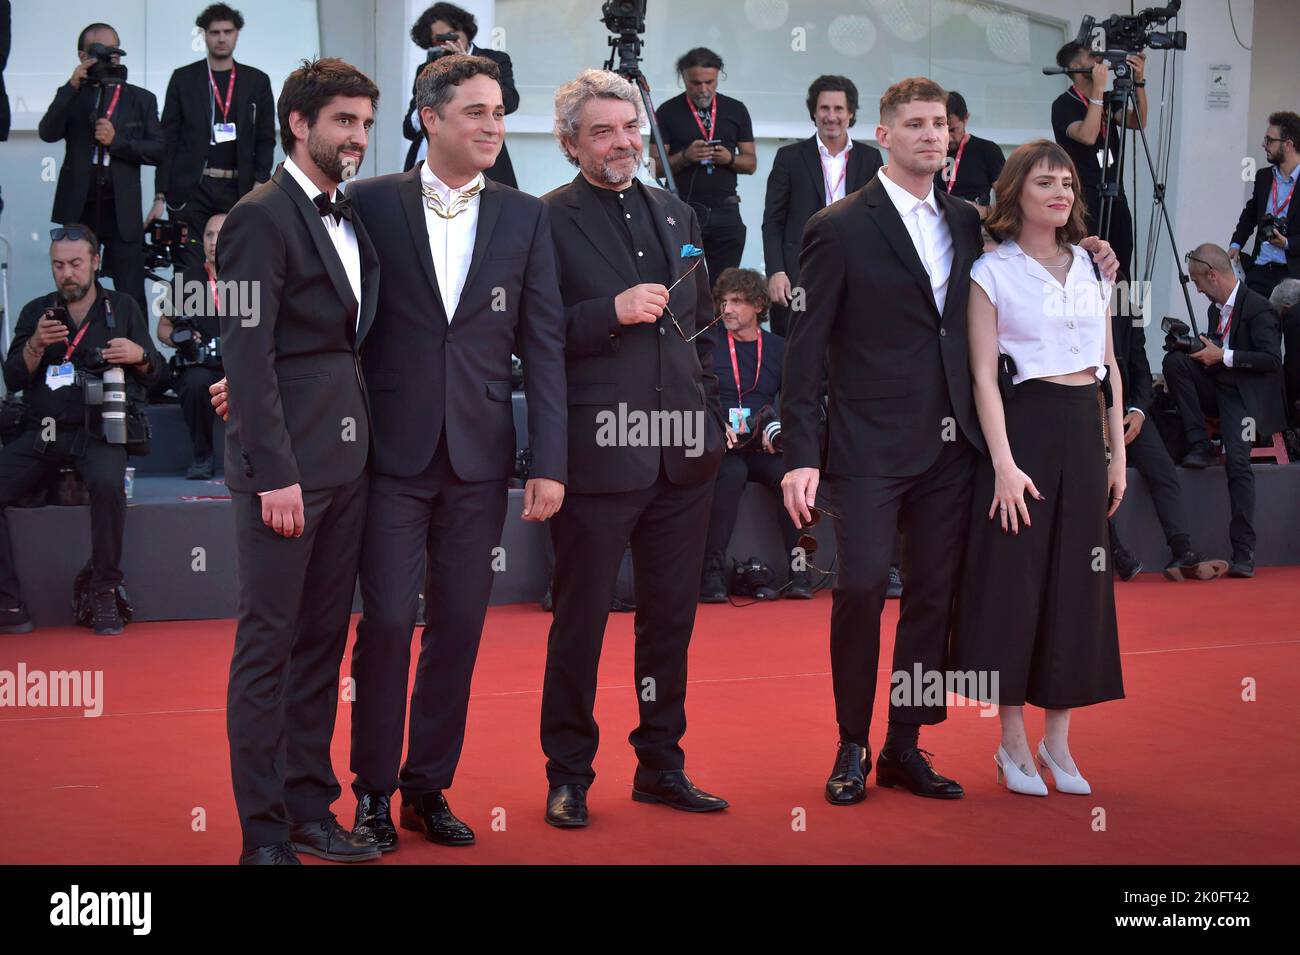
x,y
1036,610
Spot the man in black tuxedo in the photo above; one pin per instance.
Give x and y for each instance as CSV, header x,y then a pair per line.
x,y
218,122
645,442
111,129
1236,376
443,20
297,441
807,176
469,276
887,274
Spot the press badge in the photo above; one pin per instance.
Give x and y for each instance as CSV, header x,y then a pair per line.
x,y
59,376
223,132
739,420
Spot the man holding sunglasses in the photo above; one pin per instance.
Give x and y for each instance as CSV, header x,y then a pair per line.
x,y
633,294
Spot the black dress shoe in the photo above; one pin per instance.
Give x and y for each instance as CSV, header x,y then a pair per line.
x,y
895,588
430,814
1126,565
279,854
673,789
713,580
566,806
912,770
1243,565
200,470
848,781
15,620
374,821
106,621
1200,456
800,586
326,839
1193,565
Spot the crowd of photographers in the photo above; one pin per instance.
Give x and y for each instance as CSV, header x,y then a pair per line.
x,y
84,361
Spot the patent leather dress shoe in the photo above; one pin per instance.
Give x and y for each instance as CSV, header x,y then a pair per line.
x,y
673,789
281,853
1192,565
326,839
566,806
430,814
912,770
375,821
848,781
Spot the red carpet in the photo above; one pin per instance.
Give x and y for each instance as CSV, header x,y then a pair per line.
x,y
1183,770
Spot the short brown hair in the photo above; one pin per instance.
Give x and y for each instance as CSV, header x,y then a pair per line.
x,y
905,91
310,87
1288,124
1006,219
748,284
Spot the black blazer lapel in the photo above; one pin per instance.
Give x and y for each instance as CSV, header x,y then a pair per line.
x,y
964,253
667,237
489,210
812,161
369,280
412,201
324,245
858,172
886,217
599,231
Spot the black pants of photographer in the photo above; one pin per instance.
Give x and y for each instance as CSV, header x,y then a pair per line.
x,y
210,196
1120,231
123,261
1200,391
724,237
192,385
739,467
1147,453
28,461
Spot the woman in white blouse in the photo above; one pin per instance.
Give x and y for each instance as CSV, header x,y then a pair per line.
x,y
1036,606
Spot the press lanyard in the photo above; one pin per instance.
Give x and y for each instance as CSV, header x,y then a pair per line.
x,y
1227,324
830,190
735,365
230,91
713,119
1280,210
77,340
956,163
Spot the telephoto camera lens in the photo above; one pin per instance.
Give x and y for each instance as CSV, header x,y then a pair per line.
x,y
114,409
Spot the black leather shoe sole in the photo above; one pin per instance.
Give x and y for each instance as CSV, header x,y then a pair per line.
x,y
888,781
419,825
842,801
367,856
713,598
385,841
639,796
1237,570
567,822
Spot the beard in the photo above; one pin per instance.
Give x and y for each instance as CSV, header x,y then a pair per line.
x,y
330,159
701,100
72,292
606,173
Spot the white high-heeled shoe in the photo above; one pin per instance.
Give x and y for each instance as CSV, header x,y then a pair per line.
x,y
1065,782
1017,781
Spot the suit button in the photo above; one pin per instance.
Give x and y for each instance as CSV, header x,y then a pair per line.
x,y
943,332
659,387
661,330
248,472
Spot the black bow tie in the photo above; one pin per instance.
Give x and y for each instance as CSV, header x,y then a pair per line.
x,y
341,209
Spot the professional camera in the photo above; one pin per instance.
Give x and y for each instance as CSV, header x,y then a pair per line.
x,y
766,423
752,578
523,467
104,69
105,395
1270,226
162,242
1132,33
1179,337
188,351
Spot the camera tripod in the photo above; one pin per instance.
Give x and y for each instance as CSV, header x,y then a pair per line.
x,y
627,49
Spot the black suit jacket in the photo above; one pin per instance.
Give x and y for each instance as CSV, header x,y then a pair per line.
x,y
897,367
187,129
1255,338
298,411
503,171
428,376
137,141
795,190
1130,342
1255,210
645,367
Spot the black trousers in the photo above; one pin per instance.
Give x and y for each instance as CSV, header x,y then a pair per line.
x,y
123,260
28,461
1149,455
196,405
295,602
1120,233
738,468
458,524
666,524
209,197
724,237
930,512
1263,279
1200,391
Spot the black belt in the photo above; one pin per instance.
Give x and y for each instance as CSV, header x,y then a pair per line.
x,y
724,201
1271,265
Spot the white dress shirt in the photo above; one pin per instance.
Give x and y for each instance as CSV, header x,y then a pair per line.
x,y
341,233
1225,311
835,170
451,241
928,227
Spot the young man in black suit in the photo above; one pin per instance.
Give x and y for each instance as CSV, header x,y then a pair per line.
x,y
469,276
807,176
297,441
645,441
1238,377
887,273
111,130
218,121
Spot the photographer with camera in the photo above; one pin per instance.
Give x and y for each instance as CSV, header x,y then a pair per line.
x,y
748,395
1077,124
196,366
69,346
443,29
218,124
1234,374
709,140
111,129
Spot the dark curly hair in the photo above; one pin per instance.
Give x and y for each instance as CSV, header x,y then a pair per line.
x,y
749,284
460,20
218,12
1288,124
311,87
833,84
